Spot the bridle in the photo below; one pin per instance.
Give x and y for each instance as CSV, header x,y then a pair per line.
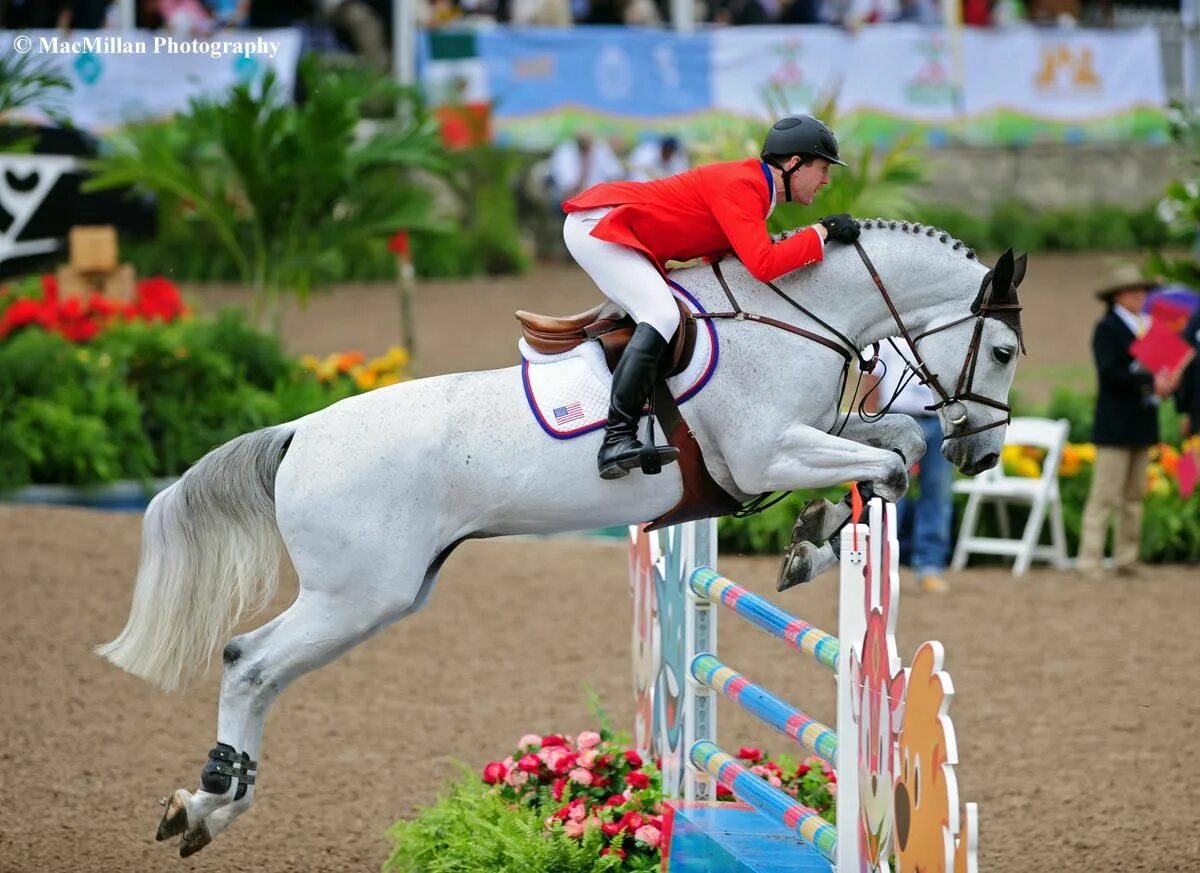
x,y
964,389
984,307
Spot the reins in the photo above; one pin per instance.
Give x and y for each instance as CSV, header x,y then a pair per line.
x,y
917,367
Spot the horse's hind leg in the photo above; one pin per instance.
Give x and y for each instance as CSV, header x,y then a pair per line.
x,y
319,626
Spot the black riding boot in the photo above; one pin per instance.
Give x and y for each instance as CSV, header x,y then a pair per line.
x,y
633,380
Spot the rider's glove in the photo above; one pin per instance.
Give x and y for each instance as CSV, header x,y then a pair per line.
x,y
841,227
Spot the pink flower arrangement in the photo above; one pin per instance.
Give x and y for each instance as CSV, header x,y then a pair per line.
x,y
592,784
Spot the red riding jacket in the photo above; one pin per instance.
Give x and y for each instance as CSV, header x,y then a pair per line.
x,y
704,212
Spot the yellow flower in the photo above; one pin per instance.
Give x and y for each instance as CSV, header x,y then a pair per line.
x,y
397,357
1028,468
310,362
387,379
326,370
364,379
1087,453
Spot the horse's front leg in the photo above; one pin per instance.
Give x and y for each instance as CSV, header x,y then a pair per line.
x,y
805,457
820,519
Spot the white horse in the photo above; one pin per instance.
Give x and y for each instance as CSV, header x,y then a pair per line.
x,y
371,495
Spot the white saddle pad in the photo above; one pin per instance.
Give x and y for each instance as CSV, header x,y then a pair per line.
x,y
568,393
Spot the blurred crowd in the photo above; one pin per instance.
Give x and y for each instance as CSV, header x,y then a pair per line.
x,y
364,26
584,160
359,26
849,13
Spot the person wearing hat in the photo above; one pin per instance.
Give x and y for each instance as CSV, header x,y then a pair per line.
x,y
657,158
1187,396
1124,428
623,234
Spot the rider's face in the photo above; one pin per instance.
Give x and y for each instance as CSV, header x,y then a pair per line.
x,y
808,180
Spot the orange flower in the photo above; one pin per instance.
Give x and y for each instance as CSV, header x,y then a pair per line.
x,y
348,360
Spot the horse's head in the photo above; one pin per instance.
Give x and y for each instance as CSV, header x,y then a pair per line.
x,y
974,359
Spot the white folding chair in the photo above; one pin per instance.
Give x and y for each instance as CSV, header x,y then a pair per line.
x,y
1041,494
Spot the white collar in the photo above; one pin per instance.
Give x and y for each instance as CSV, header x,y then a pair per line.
x,y
1135,322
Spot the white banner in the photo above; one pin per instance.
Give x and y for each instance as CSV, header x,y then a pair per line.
x,y
123,76
1009,84
1063,75
757,72
904,70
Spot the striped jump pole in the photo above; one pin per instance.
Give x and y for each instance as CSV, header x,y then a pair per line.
x,y
766,616
769,831
811,734
770,801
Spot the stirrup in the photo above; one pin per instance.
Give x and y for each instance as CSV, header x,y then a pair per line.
x,y
652,458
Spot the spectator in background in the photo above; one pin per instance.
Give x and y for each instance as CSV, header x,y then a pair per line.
x,y
1187,398
977,13
579,163
1124,428
82,14
363,31
919,12
801,12
656,158
541,13
737,12
929,516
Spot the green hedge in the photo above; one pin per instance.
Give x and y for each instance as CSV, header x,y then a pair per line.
x,y
142,399
1027,229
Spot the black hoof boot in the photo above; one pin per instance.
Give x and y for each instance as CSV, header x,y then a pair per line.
x,y
797,567
633,380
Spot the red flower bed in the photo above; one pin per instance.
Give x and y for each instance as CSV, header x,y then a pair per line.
x,y
79,319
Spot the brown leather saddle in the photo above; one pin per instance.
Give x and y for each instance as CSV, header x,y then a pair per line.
x,y
553,335
550,335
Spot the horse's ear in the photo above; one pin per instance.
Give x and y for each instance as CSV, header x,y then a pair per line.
x,y
1019,269
1002,276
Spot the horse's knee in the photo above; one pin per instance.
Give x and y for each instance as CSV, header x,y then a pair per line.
x,y
911,440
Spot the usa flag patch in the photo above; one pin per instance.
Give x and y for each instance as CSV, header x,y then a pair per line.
x,y
570,412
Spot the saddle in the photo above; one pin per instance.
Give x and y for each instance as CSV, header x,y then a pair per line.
x,y
551,335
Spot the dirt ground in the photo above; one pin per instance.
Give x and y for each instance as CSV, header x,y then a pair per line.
x,y
1076,710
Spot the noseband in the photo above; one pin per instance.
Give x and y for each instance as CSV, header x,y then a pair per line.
x,y
963,390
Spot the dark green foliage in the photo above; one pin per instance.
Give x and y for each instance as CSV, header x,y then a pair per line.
x,y
142,400
1026,229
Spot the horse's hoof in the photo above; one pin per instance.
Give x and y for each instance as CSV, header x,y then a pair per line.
x,y
797,567
815,523
194,840
175,818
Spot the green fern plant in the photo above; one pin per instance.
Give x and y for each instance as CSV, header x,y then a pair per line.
x,y
29,82
470,829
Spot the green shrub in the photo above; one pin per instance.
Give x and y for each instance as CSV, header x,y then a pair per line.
x,y
70,415
142,399
1024,228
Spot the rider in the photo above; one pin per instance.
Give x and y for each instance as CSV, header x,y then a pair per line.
x,y
622,233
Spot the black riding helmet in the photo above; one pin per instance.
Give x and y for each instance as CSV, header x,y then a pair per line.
x,y
800,135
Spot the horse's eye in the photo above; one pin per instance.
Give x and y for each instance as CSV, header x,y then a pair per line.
x,y
1002,354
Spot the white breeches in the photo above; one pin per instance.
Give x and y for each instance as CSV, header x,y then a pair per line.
x,y
625,275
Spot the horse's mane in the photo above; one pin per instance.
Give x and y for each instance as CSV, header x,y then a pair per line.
x,y
1012,318
887,224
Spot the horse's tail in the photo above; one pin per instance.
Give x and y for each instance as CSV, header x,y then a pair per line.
x,y
210,553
